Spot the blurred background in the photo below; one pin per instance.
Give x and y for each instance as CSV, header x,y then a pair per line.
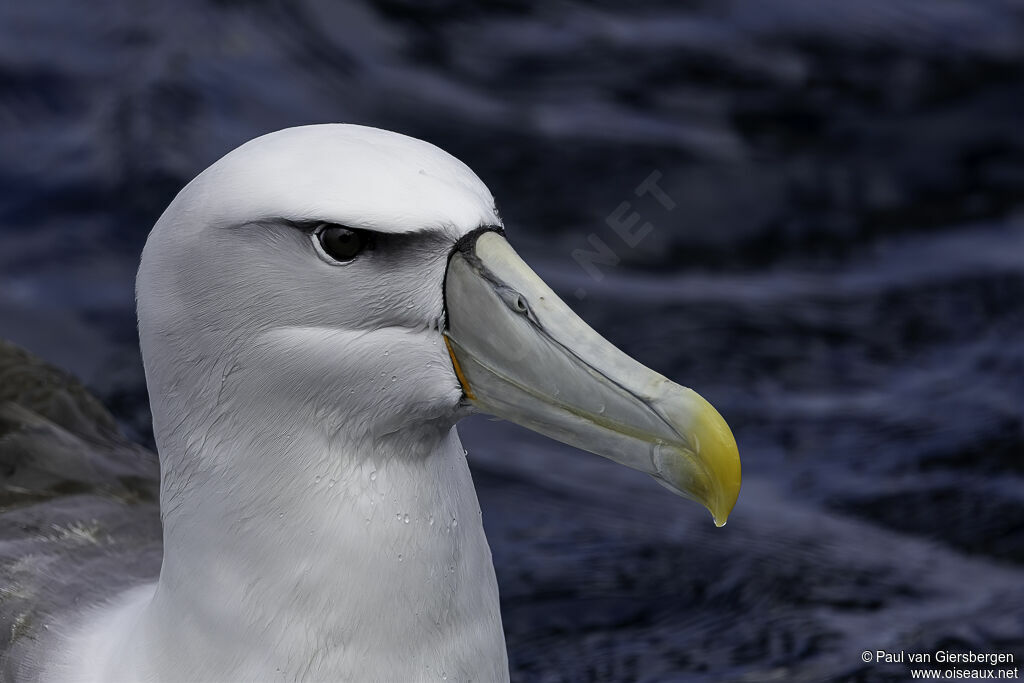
x,y
837,263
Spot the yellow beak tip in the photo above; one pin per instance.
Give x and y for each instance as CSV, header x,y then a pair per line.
x,y
721,457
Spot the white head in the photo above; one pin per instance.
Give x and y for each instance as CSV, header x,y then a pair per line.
x,y
249,327
333,298
250,330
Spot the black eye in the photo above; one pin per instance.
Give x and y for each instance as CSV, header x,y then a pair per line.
x,y
338,242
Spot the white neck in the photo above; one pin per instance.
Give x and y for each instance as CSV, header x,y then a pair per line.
x,y
368,566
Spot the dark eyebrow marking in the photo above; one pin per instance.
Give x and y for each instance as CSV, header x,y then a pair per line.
x,y
309,225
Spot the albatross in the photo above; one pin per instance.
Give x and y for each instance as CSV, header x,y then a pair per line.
x,y
316,311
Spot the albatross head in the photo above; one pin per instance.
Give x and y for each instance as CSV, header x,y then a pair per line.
x,y
357,283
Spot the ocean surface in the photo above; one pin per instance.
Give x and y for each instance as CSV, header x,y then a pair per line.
x,y
836,263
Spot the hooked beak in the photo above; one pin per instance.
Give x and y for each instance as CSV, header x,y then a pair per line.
x,y
521,354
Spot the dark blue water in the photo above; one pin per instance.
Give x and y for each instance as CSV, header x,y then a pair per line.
x,y
841,273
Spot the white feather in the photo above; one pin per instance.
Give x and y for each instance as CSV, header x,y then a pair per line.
x,y
320,522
